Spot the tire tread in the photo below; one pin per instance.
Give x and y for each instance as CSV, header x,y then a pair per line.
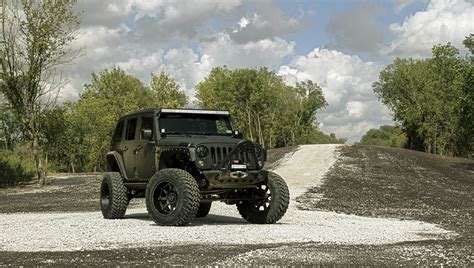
x,y
119,193
276,212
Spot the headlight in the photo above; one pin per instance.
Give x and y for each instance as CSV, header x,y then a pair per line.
x,y
258,151
201,151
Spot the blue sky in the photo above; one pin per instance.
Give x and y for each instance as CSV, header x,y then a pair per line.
x,y
340,45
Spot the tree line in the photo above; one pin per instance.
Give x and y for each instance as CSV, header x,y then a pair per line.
x,y
75,136
432,100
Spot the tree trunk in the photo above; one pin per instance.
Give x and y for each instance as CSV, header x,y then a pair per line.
x,y
249,123
46,165
261,139
38,164
73,169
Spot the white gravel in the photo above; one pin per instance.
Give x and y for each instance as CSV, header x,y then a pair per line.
x,y
305,168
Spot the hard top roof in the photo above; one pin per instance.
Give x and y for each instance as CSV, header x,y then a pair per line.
x,y
175,110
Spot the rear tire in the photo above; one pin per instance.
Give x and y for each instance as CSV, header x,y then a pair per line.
x,y
272,206
113,196
203,210
172,197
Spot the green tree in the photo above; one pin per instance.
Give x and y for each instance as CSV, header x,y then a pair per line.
x,y
110,95
469,43
392,136
432,100
10,134
34,43
266,109
167,93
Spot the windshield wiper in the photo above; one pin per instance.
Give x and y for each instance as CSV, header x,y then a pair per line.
x,y
208,133
174,133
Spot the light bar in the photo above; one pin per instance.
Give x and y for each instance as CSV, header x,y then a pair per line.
x,y
194,111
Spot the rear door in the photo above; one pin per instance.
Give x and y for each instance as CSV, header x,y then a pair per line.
x,y
128,147
145,150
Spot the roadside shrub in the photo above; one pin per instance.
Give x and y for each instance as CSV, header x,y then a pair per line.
x,y
15,167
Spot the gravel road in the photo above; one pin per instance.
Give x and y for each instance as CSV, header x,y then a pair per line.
x,y
304,168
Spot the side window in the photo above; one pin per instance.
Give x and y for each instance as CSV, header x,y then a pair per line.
x,y
147,123
131,126
118,132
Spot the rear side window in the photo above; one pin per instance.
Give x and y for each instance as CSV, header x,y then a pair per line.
x,y
118,132
147,123
131,126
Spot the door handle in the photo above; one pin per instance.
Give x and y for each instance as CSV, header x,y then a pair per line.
x,y
124,149
139,147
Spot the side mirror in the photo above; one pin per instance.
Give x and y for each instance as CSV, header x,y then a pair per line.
x,y
146,134
238,134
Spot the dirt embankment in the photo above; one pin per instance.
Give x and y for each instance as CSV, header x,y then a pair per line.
x,y
398,183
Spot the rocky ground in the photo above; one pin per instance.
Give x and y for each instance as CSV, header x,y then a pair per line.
x,y
383,187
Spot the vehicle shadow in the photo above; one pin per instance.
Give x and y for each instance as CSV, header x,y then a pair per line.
x,y
210,219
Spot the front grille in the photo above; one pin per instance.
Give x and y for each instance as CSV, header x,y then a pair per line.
x,y
219,153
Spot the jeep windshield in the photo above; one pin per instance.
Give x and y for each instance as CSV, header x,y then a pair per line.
x,y
194,124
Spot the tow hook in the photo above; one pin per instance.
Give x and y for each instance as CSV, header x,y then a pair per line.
x,y
238,174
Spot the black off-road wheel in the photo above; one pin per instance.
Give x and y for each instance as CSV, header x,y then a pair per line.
x,y
172,197
204,209
271,204
113,196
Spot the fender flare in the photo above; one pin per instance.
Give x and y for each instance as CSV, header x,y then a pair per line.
x,y
118,159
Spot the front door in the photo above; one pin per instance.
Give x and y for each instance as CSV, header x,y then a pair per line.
x,y
145,150
128,148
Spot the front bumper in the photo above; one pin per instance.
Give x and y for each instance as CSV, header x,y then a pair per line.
x,y
234,179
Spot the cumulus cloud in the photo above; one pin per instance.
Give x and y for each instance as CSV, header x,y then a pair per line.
x,y
346,82
105,13
267,21
187,67
141,65
267,52
183,20
357,28
443,21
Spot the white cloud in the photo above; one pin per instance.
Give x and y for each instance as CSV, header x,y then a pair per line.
x,y
356,108
140,65
243,22
346,82
266,21
443,21
185,20
187,67
267,52
110,13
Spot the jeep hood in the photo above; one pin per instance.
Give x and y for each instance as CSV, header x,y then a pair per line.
x,y
193,140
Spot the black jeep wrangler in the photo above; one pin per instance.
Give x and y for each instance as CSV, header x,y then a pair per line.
x,y
181,160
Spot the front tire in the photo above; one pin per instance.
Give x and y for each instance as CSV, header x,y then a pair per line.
x,y
113,196
172,197
273,204
203,210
